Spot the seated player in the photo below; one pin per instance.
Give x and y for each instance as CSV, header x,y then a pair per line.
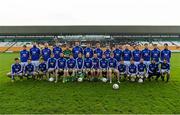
x,y
153,70
165,70
122,70
71,68
95,66
79,65
142,70
112,63
42,69
88,66
61,67
132,71
103,63
51,65
16,70
29,70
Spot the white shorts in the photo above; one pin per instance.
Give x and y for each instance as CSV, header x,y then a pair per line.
x,y
51,69
35,63
147,63
164,71
127,63
23,64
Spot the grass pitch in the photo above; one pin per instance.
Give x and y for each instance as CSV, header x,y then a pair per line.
x,y
30,96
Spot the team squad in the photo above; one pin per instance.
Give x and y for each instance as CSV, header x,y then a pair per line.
x,y
93,63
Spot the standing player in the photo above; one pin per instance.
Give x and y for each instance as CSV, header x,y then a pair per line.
x,y
153,70
132,71
56,51
46,52
165,70
29,70
88,66
89,50
98,51
61,67
112,63
51,65
142,70
122,70
146,55
107,52
155,54
117,53
24,56
76,50
67,52
35,55
127,55
136,55
103,66
165,54
16,70
79,64
42,69
95,66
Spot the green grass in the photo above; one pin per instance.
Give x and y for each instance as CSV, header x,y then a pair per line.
x,y
44,97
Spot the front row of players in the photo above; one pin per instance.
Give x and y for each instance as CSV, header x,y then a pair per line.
x,y
92,68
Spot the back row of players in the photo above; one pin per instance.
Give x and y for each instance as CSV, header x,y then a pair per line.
x,y
132,65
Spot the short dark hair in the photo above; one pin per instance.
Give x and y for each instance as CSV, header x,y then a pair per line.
x,y
165,44
24,46
16,59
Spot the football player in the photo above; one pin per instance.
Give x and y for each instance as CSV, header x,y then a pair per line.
x,y
107,52
95,66
16,70
146,55
136,55
142,70
51,65
80,65
24,56
132,71
89,50
61,67
88,66
165,70
98,51
35,55
117,53
71,67
76,50
166,54
153,70
112,69
103,66
122,70
155,53
42,69
46,52
127,55
29,70
56,51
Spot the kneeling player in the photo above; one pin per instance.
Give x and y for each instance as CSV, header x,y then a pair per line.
x,y
165,70
122,70
29,70
79,65
61,67
132,71
88,66
95,66
153,70
42,69
112,63
16,70
103,63
51,65
71,68
142,70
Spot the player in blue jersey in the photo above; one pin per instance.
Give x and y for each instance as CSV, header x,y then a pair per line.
x,y
126,55
46,52
16,70
98,51
165,70
56,51
51,65
29,70
112,69
89,50
88,64
136,55
117,53
61,67
122,70
42,69
95,66
76,50
107,52
35,55
132,71
79,65
24,56
153,70
71,66
166,54
103,63
155,53
142,70
146,55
